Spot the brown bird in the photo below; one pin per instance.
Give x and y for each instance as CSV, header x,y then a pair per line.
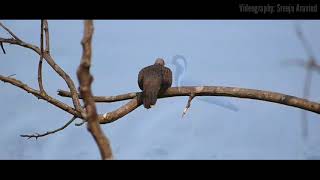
x,y
154,80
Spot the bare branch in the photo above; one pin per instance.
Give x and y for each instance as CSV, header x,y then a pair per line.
x,y
4,51
85,80
10,32
37,94
11,75
37,135
20,43
42,91
53,65
214,91
188,105
102,99
46,30
120,112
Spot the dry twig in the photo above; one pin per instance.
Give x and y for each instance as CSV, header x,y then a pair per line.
x,y
37,135
188,105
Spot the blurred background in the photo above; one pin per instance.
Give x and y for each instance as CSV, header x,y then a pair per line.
x,y
249,54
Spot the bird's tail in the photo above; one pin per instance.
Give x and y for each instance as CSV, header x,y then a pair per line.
x,y
150,98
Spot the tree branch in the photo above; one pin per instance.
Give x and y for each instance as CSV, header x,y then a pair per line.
x,y
10,32
40,62
103,99
20,43
49,60
46,30
205,91
3,50
120,112
188,105
85,80
37,135
37,94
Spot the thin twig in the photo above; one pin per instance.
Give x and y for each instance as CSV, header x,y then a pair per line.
x,y
37,135
4,51
188,105
37,94
85,81
80,123
11,75
20,43
10,32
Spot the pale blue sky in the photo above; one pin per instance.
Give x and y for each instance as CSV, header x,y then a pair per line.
x,y
246,54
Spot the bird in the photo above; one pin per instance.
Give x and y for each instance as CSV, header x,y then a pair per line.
x,y
179,62
154,80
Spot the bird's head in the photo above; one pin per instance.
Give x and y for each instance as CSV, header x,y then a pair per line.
x,y
159,61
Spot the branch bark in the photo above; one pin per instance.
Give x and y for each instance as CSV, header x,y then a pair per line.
x,y
85,80
203,91
46,30
37,94
41,61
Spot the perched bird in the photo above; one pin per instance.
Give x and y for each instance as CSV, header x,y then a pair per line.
x,y
154,80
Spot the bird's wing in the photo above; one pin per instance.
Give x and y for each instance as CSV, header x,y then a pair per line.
x,y
167,77
140,78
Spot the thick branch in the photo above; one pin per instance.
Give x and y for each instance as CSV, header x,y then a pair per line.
x,y
207,91
85,80
120,112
